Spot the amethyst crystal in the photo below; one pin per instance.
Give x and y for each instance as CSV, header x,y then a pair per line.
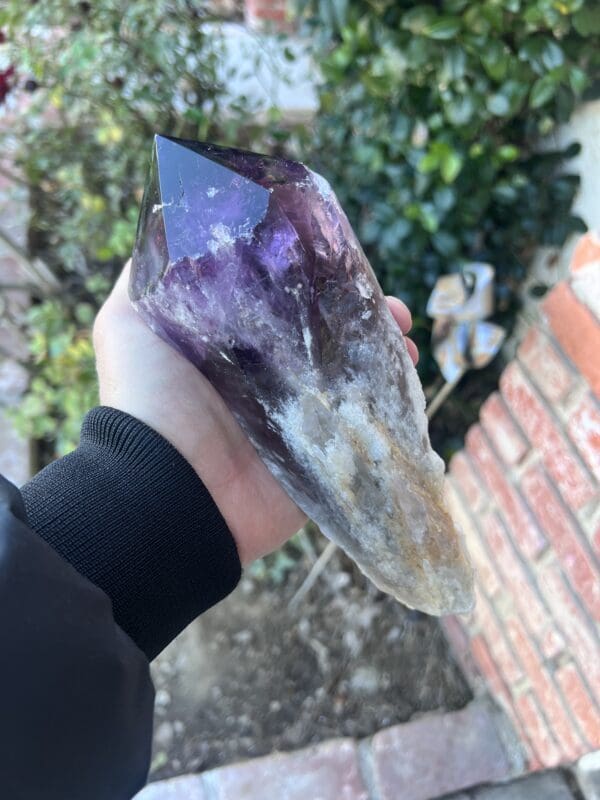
x,y
248,266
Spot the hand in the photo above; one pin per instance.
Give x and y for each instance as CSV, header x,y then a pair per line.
x,y
141,375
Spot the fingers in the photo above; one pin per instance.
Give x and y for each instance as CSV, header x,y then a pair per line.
x,y
403,317
400,313
412,350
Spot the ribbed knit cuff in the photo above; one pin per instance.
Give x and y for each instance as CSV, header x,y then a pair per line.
x,y
129,512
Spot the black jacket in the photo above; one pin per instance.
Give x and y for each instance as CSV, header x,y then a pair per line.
x,y
105,556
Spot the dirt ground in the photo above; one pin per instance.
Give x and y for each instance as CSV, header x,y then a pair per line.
x,y
252,675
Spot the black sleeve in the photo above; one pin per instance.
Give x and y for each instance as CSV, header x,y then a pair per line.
x,y
125,533
129,512
76,707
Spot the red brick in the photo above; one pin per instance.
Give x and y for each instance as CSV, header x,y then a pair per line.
x,y
520,585
586,252
580,702
484,570
488,669
572,621
577,331
537,731
486,573
558,719
329,771
565,537
551,372
572,479
584,430
274,10
532,760
455,633
521,523
461,471
437,754
508,440
458,639
507,664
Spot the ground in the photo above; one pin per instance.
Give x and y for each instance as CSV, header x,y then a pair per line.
x,y
253,676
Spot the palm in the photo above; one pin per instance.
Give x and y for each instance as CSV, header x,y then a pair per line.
x,y
143,376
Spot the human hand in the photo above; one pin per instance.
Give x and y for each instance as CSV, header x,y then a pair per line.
x,y
142,376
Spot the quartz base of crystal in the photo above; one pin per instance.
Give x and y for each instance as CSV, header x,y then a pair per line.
x,y
248,266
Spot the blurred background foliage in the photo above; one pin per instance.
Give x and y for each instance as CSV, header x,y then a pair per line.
x,y
429,121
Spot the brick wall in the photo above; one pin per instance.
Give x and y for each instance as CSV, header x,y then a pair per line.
x,y
526,492
267,14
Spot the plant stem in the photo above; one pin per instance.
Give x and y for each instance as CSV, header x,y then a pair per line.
x,y
441,397
37,271
14,178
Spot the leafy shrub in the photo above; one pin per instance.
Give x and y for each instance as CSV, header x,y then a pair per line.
x,y
63,383
103,77
430,120
106,77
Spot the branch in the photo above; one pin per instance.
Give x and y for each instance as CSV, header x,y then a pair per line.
x,y
14,178
17,287
36,270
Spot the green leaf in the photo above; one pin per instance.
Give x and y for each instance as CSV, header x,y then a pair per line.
x,y
450,167
429,162
84,314
507,100
476,20
443,28
586,21
444,198
454,65
455,6
460,110
445,243
508,152
542,91
498,104
552,55
495,58
418,18
578,79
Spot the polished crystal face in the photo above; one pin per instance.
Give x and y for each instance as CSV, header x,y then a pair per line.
x,y
248,266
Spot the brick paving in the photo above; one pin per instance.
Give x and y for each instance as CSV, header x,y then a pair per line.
x,y
438,754
548,786
329,771
425,758
552,785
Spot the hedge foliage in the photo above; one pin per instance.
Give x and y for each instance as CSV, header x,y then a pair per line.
x,y
430,123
